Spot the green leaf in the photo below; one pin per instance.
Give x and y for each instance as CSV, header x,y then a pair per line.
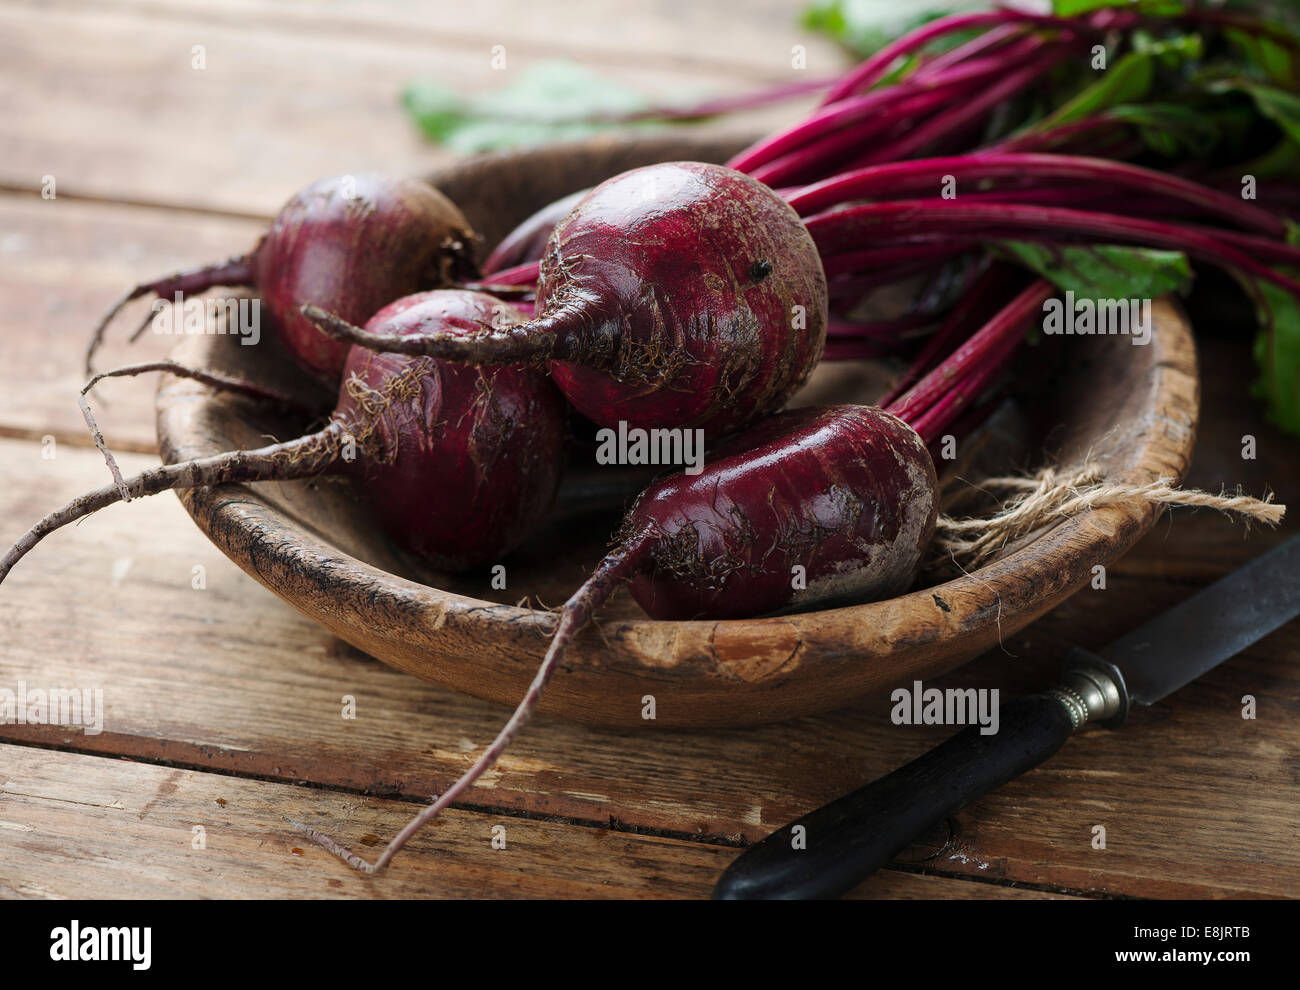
x,y
1277,352
1277,105
1274,62
548,101
1282,161
1128,81
1159,8
1103,271
1171,130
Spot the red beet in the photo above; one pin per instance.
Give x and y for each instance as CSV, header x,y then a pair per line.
x,y
349,243
676,295
472,456
459,462
845,493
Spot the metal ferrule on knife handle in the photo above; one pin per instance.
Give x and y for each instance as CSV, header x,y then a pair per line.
x,y
1091,690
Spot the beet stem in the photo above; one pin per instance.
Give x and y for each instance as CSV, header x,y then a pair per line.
x,y
871,71
989,346
238,271
902,219
516,344
618,566
300,458
958,320
897,179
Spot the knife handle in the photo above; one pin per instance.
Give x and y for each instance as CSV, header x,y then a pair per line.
x,y
844,841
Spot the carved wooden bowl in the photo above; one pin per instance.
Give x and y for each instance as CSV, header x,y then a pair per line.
x,y
1131,408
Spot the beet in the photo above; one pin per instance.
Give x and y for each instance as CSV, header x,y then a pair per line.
x,y
847,493
676,295
459,463
349,243
472,456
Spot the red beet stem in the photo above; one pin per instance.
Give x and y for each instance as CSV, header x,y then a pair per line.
x,y
878,65
902,219
300,458
956,328
238,271
986,348
887,105
819,155
535,340
869,262
899,179
618,566
965,113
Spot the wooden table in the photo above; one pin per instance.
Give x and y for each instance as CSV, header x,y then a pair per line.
x,y
223,706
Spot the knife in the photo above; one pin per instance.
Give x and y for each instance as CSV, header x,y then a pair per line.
x,y
844,841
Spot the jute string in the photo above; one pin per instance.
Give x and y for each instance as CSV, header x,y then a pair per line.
x,y
1030,502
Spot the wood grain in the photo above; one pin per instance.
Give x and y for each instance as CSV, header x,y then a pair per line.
x,y
680,34
108,103
62,264
78,826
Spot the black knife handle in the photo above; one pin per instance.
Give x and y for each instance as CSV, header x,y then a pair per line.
x,y
846,840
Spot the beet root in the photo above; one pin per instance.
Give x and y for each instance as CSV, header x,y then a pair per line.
x,y
499,432
458,462
809,507
352,244
677,295
354,254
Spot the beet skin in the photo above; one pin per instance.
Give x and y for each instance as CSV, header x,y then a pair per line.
x,y
849,493
353,244
465,461
697,299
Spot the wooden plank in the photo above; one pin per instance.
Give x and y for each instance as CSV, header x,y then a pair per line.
x,y
110,106
710,36
62,264
80,826
262,691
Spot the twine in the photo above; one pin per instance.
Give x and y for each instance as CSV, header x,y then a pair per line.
x,y
1030,502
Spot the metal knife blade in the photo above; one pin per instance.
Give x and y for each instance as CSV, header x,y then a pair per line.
x,y
831,850
1218,622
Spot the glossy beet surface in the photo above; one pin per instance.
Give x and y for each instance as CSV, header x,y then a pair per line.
x,y
352,244
846,492
688,295
465,461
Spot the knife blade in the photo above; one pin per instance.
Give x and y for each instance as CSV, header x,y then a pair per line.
x,y
831,850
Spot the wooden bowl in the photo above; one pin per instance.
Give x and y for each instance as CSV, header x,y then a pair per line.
x,y
1131,408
